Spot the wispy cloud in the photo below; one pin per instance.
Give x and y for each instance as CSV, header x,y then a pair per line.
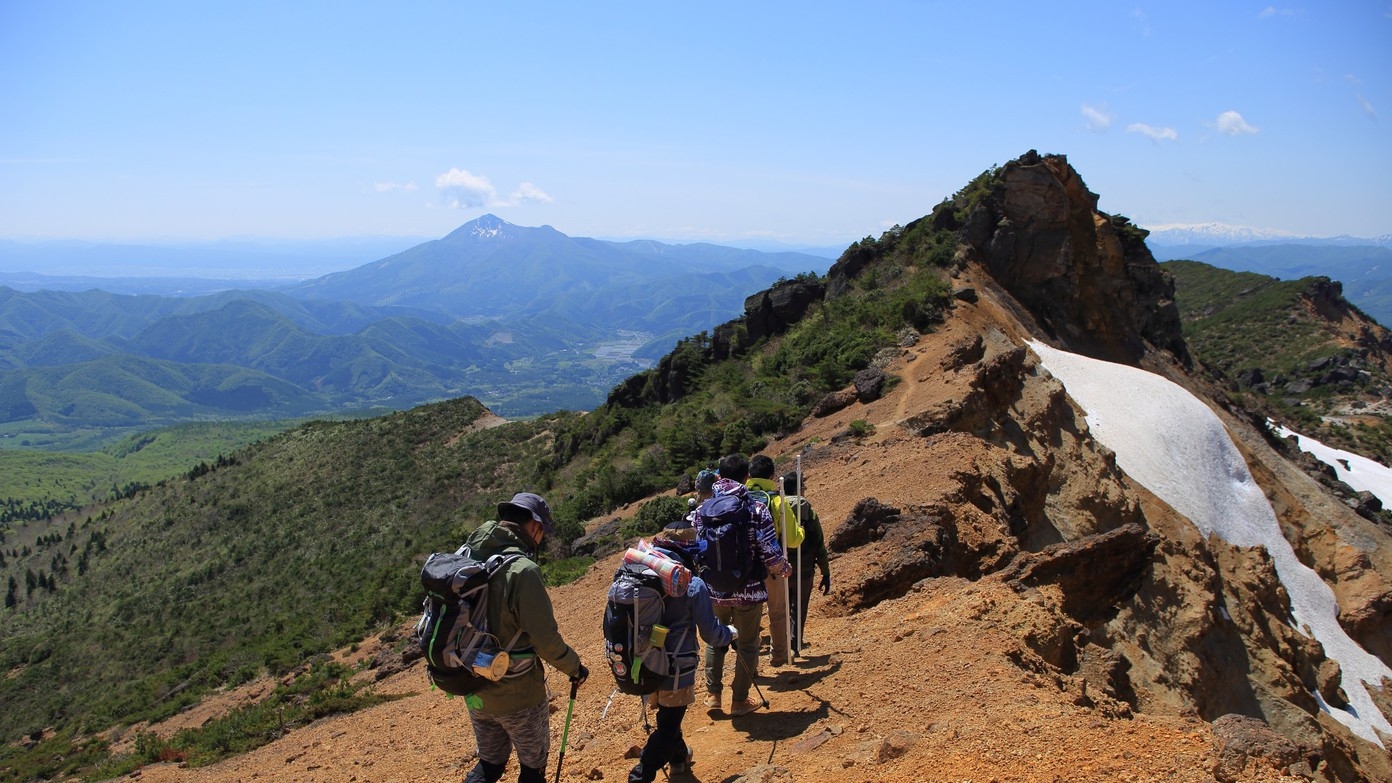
x,y
1271,10
1155,134
462,189
1367,107
529,192
1142,20
1231,123
388,187
1096,118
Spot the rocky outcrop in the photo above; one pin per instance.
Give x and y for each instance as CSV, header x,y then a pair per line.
x,y
1094,575
1087,277
766,314
1242,743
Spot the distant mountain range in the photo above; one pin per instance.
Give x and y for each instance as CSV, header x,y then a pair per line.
x,y
526,319
1221,234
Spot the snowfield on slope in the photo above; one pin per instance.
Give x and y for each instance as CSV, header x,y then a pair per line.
x,y
1176,447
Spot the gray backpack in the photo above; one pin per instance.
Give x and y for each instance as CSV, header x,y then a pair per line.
x,y
461,654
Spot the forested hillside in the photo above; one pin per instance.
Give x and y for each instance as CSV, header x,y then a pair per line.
x,y
1295,349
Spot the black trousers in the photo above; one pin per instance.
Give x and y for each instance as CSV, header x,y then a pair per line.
x,y
665,745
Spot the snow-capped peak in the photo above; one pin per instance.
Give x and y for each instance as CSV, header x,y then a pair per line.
x,y
1212,233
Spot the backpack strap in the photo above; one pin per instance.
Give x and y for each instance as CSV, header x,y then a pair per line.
x,y
522,661
673,667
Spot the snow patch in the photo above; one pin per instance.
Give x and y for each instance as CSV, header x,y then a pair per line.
x,y
1361,473
1178,448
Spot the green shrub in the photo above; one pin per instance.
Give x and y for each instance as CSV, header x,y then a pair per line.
x,y
562,572
860,428
653,516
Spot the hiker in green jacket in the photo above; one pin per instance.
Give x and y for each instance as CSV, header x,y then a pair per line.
x,y
806,558
513,712
789,537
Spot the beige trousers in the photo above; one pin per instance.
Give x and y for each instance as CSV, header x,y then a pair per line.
x,y
778,617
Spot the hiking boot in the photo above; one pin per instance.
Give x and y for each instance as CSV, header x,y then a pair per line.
x,y
743,707
681,766
778,661
712,702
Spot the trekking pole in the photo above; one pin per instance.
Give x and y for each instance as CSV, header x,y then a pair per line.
x,y
787,604
565,734
802,613
608,704
752,680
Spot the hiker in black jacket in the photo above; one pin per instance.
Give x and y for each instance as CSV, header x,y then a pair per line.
x,y
807,557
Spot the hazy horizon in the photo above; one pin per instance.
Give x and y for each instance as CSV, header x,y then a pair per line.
x,y
809,125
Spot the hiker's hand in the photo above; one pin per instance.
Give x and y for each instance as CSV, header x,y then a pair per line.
x,y
826,584
580,676
784,571
734,632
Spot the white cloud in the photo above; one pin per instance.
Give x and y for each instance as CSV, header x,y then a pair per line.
x,y
1271,10
1367,107
529,192
387,187
1155,134
1096,119
463,190
1231,123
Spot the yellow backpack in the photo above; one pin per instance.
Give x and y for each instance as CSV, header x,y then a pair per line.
x,y
790,533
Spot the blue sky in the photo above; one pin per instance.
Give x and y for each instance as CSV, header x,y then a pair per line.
x,y
805,123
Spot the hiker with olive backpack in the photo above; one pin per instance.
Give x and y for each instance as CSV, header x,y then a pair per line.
x,y
806,558
512,712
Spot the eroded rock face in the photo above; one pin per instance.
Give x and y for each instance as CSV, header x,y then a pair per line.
x,y
1094,574
766,313
1087,277
1242,743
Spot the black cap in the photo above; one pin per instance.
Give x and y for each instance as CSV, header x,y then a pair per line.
x,y
533,504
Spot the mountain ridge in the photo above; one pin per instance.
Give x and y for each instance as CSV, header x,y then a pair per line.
x,y
1009,603
553,296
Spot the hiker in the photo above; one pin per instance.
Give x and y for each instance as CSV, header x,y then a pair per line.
x,y
704,481
742,605
789,536
684,616
805,558
513,712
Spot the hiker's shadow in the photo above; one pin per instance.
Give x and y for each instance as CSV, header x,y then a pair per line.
x,y
770,725
810,669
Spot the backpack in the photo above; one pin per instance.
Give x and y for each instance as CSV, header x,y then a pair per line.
x,y
461,655
638,657
726,533
790,533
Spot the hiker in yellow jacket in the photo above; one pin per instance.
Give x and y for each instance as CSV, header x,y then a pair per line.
x,y
790,535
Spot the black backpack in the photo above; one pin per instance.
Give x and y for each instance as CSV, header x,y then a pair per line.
x,y
460,652
727,557
636,603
